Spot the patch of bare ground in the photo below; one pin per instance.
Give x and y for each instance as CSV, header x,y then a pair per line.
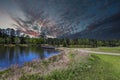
x,y
43,67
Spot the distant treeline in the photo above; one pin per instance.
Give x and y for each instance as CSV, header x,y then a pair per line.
x,y
59,42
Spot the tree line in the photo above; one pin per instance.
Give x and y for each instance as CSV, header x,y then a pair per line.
x,y
4,39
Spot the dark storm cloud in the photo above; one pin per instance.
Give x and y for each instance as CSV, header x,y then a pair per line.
x,y
88,12
63,17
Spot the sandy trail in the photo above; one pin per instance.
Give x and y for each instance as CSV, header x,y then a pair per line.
x,y
96,52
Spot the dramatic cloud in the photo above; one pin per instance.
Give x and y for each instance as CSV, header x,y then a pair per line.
x,y
63,17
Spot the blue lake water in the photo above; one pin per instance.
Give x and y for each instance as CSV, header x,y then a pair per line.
x,y
19,55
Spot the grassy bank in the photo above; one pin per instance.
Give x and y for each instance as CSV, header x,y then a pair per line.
x,y
97,67
43,67
69,65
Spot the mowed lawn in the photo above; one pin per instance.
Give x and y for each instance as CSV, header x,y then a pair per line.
x,y
96,67
107,49
109,65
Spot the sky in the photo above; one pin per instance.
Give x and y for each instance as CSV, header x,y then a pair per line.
x,y
62,17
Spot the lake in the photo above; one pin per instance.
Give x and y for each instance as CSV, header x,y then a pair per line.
x,y
19,55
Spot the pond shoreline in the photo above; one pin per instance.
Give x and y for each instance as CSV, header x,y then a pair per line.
x,y
44,67
55,60
60,50
15,65
50,53
15,69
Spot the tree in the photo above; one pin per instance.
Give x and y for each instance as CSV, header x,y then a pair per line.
x,y
7,40
1,40
71,42
64,43
17,40
99,43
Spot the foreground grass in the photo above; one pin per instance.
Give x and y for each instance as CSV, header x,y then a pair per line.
x,y
113,61
97,67
107,49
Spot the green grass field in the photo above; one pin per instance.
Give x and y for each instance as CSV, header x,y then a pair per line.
x,y
107,49
96,67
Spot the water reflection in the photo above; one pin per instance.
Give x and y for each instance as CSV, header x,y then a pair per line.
x,y
19,55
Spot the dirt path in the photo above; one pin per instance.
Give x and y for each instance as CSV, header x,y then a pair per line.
x,y
96,52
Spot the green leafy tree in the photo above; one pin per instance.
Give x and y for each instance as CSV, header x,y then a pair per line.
x,y
64,43
17,40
